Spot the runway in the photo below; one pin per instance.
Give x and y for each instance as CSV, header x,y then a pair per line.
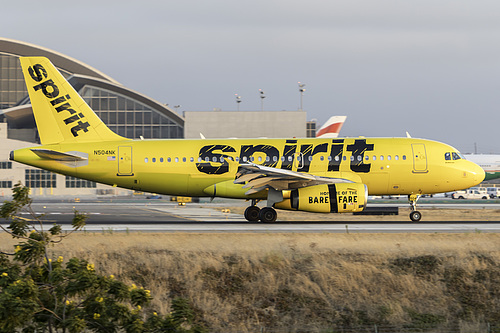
x,y
196,218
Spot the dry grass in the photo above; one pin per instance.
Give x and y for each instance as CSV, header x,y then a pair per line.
x,y
242,282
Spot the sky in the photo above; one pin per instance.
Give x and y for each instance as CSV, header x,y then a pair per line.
x,y
428,67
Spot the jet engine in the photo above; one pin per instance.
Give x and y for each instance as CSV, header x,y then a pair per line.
x,y
333,198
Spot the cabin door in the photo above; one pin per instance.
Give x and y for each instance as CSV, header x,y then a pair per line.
x,y
419,158
125,161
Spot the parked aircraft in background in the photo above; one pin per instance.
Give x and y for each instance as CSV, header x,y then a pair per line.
x,y
489,162
315,175
331,128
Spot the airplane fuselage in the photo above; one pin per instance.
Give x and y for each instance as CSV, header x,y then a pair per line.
x,y
388,166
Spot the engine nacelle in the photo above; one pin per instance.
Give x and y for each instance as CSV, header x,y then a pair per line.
x,y
333,198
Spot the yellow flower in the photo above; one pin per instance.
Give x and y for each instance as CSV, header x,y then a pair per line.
x,y
111,276
60,259
90,267
99,299
18,248
148,293
68,302
97,316
138,307
133,286
155,314
5,274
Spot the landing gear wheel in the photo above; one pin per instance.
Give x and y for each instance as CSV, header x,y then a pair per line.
x,y
252,213
267,215
415,216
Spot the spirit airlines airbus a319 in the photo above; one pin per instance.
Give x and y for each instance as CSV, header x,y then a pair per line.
x,y
315,175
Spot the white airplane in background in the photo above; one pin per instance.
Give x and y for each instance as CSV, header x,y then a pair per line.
x,y
331,128
489,162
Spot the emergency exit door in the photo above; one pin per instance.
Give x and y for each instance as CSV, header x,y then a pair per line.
x,y
125,161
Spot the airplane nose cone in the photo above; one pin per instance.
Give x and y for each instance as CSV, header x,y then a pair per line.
x,y
477,173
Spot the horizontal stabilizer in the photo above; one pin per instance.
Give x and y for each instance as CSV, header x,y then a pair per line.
x,y
57,155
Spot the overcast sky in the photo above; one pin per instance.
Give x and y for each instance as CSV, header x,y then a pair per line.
x,y
428,67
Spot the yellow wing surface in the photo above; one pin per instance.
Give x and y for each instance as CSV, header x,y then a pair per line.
x,y
317,175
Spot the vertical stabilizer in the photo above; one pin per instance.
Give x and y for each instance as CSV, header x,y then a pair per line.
x,y
331,128
61,114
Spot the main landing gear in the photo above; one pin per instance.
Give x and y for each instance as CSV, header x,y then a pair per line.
x,y
265,215
415,215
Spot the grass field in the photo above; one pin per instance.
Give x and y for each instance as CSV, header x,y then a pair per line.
x,y
307,282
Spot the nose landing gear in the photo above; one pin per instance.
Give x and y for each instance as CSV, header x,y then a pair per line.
x,y
415,215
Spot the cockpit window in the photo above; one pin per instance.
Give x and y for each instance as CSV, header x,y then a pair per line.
x,y
453,156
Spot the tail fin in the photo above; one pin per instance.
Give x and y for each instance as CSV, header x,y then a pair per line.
x,y
331,128
61,114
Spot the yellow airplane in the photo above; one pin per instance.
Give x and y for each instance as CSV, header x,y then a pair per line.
x,y
314,175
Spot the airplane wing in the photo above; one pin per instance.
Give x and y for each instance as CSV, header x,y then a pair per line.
x,y
57,155
258,177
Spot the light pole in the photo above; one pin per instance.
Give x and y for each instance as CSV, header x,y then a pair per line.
x,y
262,96
301,89
238,101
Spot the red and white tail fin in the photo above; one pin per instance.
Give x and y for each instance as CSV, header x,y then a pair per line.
x,y
331,128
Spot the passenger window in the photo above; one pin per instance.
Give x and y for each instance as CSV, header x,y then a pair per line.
x,y
252,158
381,157
404,157
176,160
360,158
222,158
367,158
207,159
310,158
290,158
447,156
237,159
192,159
389,157
161,159
374,157
245,159
275,158
153,159
322,158
268,158
170,160
337,158
344,158
183,159
282,158
329,158
396,157
146,160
